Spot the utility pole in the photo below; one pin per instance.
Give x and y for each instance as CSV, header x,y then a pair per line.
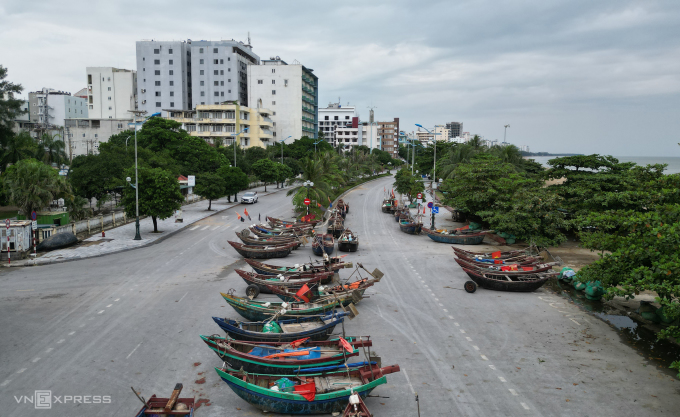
x,y
505,132
137,113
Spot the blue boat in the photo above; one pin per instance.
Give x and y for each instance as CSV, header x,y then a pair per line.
x,y
315,327
316,393
407,226
323,243
462,239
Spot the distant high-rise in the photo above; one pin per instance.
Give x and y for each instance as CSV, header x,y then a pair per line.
x,y
111,92
455,129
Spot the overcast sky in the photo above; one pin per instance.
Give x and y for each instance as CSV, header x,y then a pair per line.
x,y
578,76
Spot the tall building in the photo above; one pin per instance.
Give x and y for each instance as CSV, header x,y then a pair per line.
x,y
50,107
291,91
111,92
455,129
219,123
179,75
333,117
441,133
389,136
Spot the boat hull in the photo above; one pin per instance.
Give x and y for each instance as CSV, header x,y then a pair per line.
x,y
348,246
411,228
235,330
261,314
457,239
511,286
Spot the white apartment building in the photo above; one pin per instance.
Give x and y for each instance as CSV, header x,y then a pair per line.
x,y
50,107
357,135
83,136
111,92
424,137
333,117
179,75
291,91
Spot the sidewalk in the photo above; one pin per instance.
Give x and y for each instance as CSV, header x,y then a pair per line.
x,y
120,239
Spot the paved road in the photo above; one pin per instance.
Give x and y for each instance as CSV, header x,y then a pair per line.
x,y
99,326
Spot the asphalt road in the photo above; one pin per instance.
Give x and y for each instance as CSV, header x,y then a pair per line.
x,y
98,326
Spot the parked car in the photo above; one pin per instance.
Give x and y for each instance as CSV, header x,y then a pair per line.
x,y
249,198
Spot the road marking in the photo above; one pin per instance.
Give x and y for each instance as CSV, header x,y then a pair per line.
x,y
49,350
440,304
468,338
71,334
475,347
512,391
451,317
195,227
61,341
116,300
485,358
408,380
22,370
445,310
109,305
7,381
207,227
526,407
461,330
35,360
456,324
502,379
101,312
133,350
185,294
492,367
216,227
425,286
575,321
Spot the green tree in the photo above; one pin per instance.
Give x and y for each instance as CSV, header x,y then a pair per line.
x,y
32,185
321,173
235,180
283,172
159,194
16,147
408,184
51,150
210,186
76,208
10,107
96,176
265,171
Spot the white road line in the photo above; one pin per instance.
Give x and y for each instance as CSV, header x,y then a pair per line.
x,y
484,358
82,325
451,317
195,227
440,304
445,310
185,294
408,380
502,379
49,350
456,324
7,381
475,347
109,305
133,350
216,227
526,407
101,312
22,370
425,286
35,360
492,367
72,333
512,391
61,341
461,330
207,227
116,299
575,321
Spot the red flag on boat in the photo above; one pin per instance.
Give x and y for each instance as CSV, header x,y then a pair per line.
x,y
245,211
346,345
496,254
297,343
302,293
307,390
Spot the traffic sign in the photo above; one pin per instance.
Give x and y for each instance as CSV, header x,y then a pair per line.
x,y
7,223
34,215
435,210
307,201
419,196
429,205
34,225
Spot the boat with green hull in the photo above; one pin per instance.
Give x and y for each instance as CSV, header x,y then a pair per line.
x,y
262,310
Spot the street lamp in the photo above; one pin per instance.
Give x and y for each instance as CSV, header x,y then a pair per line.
x,y
282,141
138,113
505,132
315,145
245,129
434,174
308,184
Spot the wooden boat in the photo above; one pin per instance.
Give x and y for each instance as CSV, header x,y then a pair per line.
x,y
520,260
263,252
348,242
319,327
325,392
263,310
462,239
336,227
357,407
266,231
323,243
279,222
247,239
282,358
489,255
333,264
388,205
263,282
173,406
408,226
343,206
503,281
522,269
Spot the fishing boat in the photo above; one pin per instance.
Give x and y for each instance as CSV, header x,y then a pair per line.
x,y
323,243
173,406
266,231
248,239
263,252
512,269
319,327
520,260
282,358
503,281
263,282
492,255
457,239
388,205
263,310
335,227
343,206
285,223
348,241
325,392
410,227
331,264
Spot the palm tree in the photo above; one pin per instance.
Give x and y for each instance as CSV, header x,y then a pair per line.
x,y
31,185
510,154
51,150
460,153
17,147
313,171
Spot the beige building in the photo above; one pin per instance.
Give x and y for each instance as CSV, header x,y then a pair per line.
x,y
219,123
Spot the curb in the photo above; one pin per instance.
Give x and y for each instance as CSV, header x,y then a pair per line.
x,y
160,239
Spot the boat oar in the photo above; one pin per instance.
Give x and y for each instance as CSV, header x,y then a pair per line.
x,y
140,398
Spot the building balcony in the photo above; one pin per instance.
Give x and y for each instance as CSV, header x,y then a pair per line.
x,y
309,100
223,135
307,90
308,119
307,129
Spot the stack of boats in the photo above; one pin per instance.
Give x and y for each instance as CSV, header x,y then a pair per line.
x,y
407,223
275,240
506,271
284,358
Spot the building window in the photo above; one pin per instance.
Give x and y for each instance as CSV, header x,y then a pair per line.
x,y
83,135
273,103
221,72
259,81
285,83
217,94
170,52
229,80
158,83
156,51
156,61
229,69
273,81
202,93
96,135
171,72
346,117
273,70
109,98
120,125
200,61
202,83
172,83
216,61
143,59
158,93
273,123
214,50
215,72
172,104
335,117
157,72
325,117
222,93
201,73
172,94
158,104
222,83
216,83
273,113
273,92
200,50
228,58
221,61
108,78
109,88
229,91
110,108
170,61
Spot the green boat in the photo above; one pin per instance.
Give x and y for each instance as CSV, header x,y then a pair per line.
x,y
263,310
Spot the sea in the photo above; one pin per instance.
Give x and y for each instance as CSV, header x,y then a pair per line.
x,y
672,162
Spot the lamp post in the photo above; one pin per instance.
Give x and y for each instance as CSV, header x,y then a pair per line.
x,y
315,145
126,140
245,129
282,141
138,113
434,174
505,132
308,184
